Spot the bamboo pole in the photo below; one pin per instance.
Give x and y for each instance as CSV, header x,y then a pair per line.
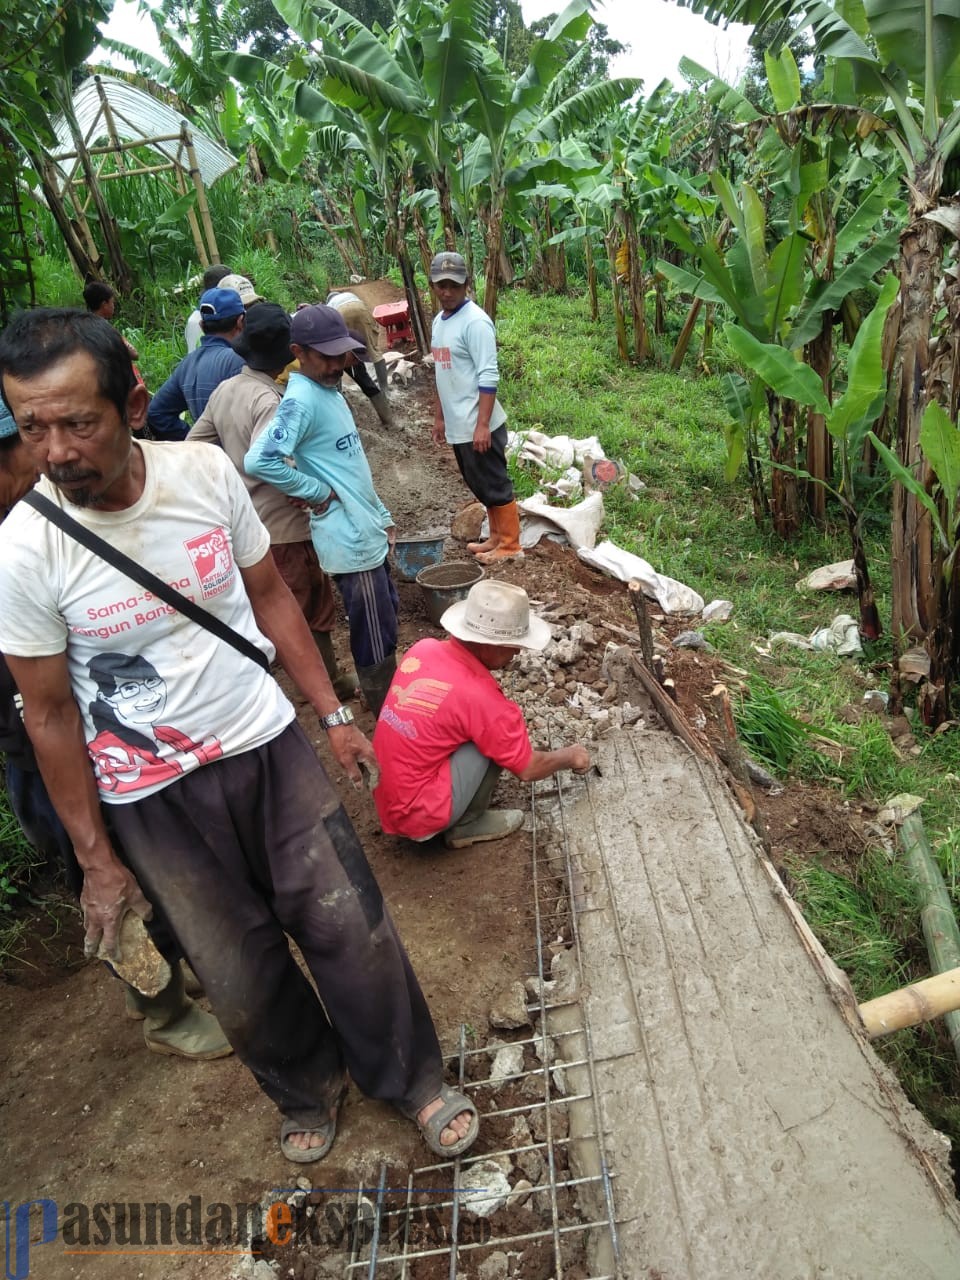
x,y
936,918
920,1002
192,222
130,145
202,206
643,622
133,173
115,147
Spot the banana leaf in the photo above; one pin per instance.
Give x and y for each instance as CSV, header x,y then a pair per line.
x,y
786,376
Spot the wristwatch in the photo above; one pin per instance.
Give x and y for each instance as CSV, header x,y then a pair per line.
x,y
342,715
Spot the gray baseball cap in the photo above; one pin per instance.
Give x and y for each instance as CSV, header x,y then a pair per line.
x,y
448,266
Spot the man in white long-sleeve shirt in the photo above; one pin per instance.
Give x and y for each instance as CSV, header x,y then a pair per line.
x,y
467,413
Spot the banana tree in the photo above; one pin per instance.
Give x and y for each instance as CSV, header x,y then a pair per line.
x,y
940,448
904,57
807,160
848,419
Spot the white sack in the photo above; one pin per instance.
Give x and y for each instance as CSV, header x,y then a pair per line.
x,y
670,595
581,523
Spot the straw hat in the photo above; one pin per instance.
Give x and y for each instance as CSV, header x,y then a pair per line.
x,y
496,613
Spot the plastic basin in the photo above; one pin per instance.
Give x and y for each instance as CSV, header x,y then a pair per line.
x,y
444,584
413,554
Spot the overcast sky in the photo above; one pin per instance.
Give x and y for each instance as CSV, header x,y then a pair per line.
x,y
659,35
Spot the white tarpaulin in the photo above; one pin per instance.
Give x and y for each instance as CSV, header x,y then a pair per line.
x,y
580,524
138,115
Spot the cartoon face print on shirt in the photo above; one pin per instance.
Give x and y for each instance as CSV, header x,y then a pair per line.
x,y
128,751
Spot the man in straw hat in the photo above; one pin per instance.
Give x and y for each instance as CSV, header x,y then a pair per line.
x,y
447,731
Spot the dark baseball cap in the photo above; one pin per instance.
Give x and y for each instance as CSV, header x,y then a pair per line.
x,y
265,340
220,304
448,266
323,329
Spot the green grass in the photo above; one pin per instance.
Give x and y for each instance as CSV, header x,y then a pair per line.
x,y
560,371
18,859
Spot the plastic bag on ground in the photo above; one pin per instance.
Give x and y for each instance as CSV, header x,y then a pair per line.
x,y
670,595
841,637
557,452
830,577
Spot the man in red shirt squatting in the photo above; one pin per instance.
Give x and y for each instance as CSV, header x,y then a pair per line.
x,y
447,731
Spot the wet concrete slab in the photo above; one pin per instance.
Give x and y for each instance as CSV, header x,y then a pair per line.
x,y
750,1131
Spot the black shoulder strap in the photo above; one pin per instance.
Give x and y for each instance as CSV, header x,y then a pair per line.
x,y
169,595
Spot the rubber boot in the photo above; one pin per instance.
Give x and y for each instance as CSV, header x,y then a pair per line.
x,y
508,532
375,682
380,369
133,1000
477,823
173,1024
382,406
492,541
344,686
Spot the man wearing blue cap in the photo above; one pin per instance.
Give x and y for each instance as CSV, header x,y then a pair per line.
x,y
351,528
193,380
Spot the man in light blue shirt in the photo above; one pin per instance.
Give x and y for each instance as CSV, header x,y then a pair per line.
x,y
351,529
468,414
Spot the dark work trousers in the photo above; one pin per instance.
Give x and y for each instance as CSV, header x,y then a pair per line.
x,y
240,852
486,474
371,601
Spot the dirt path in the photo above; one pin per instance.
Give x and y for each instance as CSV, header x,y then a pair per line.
x,y
90,1116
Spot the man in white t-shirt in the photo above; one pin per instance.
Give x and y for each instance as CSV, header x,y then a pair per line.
x,y
226,820
193,330
467,413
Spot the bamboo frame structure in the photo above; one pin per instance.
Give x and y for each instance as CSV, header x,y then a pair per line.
x,y
75,175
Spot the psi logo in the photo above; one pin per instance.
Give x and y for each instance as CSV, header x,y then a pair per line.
x,y
17,1220
210,553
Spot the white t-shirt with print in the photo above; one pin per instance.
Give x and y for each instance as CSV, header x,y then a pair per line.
x,y
159,694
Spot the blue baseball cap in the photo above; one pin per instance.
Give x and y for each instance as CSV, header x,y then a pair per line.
x,y
220,304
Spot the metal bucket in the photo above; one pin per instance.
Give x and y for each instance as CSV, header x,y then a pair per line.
x,y
444,584
416,553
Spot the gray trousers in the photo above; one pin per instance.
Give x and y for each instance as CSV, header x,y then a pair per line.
x,y
243,851
472,780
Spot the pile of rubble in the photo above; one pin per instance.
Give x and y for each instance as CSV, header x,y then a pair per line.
x,y
568,690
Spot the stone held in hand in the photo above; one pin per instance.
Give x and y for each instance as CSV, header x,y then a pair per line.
x,y
139,963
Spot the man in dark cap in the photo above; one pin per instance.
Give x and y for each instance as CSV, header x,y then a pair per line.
x,y
351,528
236,413
468,414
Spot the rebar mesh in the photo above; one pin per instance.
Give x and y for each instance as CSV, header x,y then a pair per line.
x,y
572,1225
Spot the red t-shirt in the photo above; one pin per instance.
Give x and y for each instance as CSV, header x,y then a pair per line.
x,y
441,697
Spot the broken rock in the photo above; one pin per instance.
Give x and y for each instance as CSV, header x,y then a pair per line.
x,y
507,1064
484,1188
467,522
509,1009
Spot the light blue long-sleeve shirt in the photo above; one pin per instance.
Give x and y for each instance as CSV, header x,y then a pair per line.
x,y
314,427
464,347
